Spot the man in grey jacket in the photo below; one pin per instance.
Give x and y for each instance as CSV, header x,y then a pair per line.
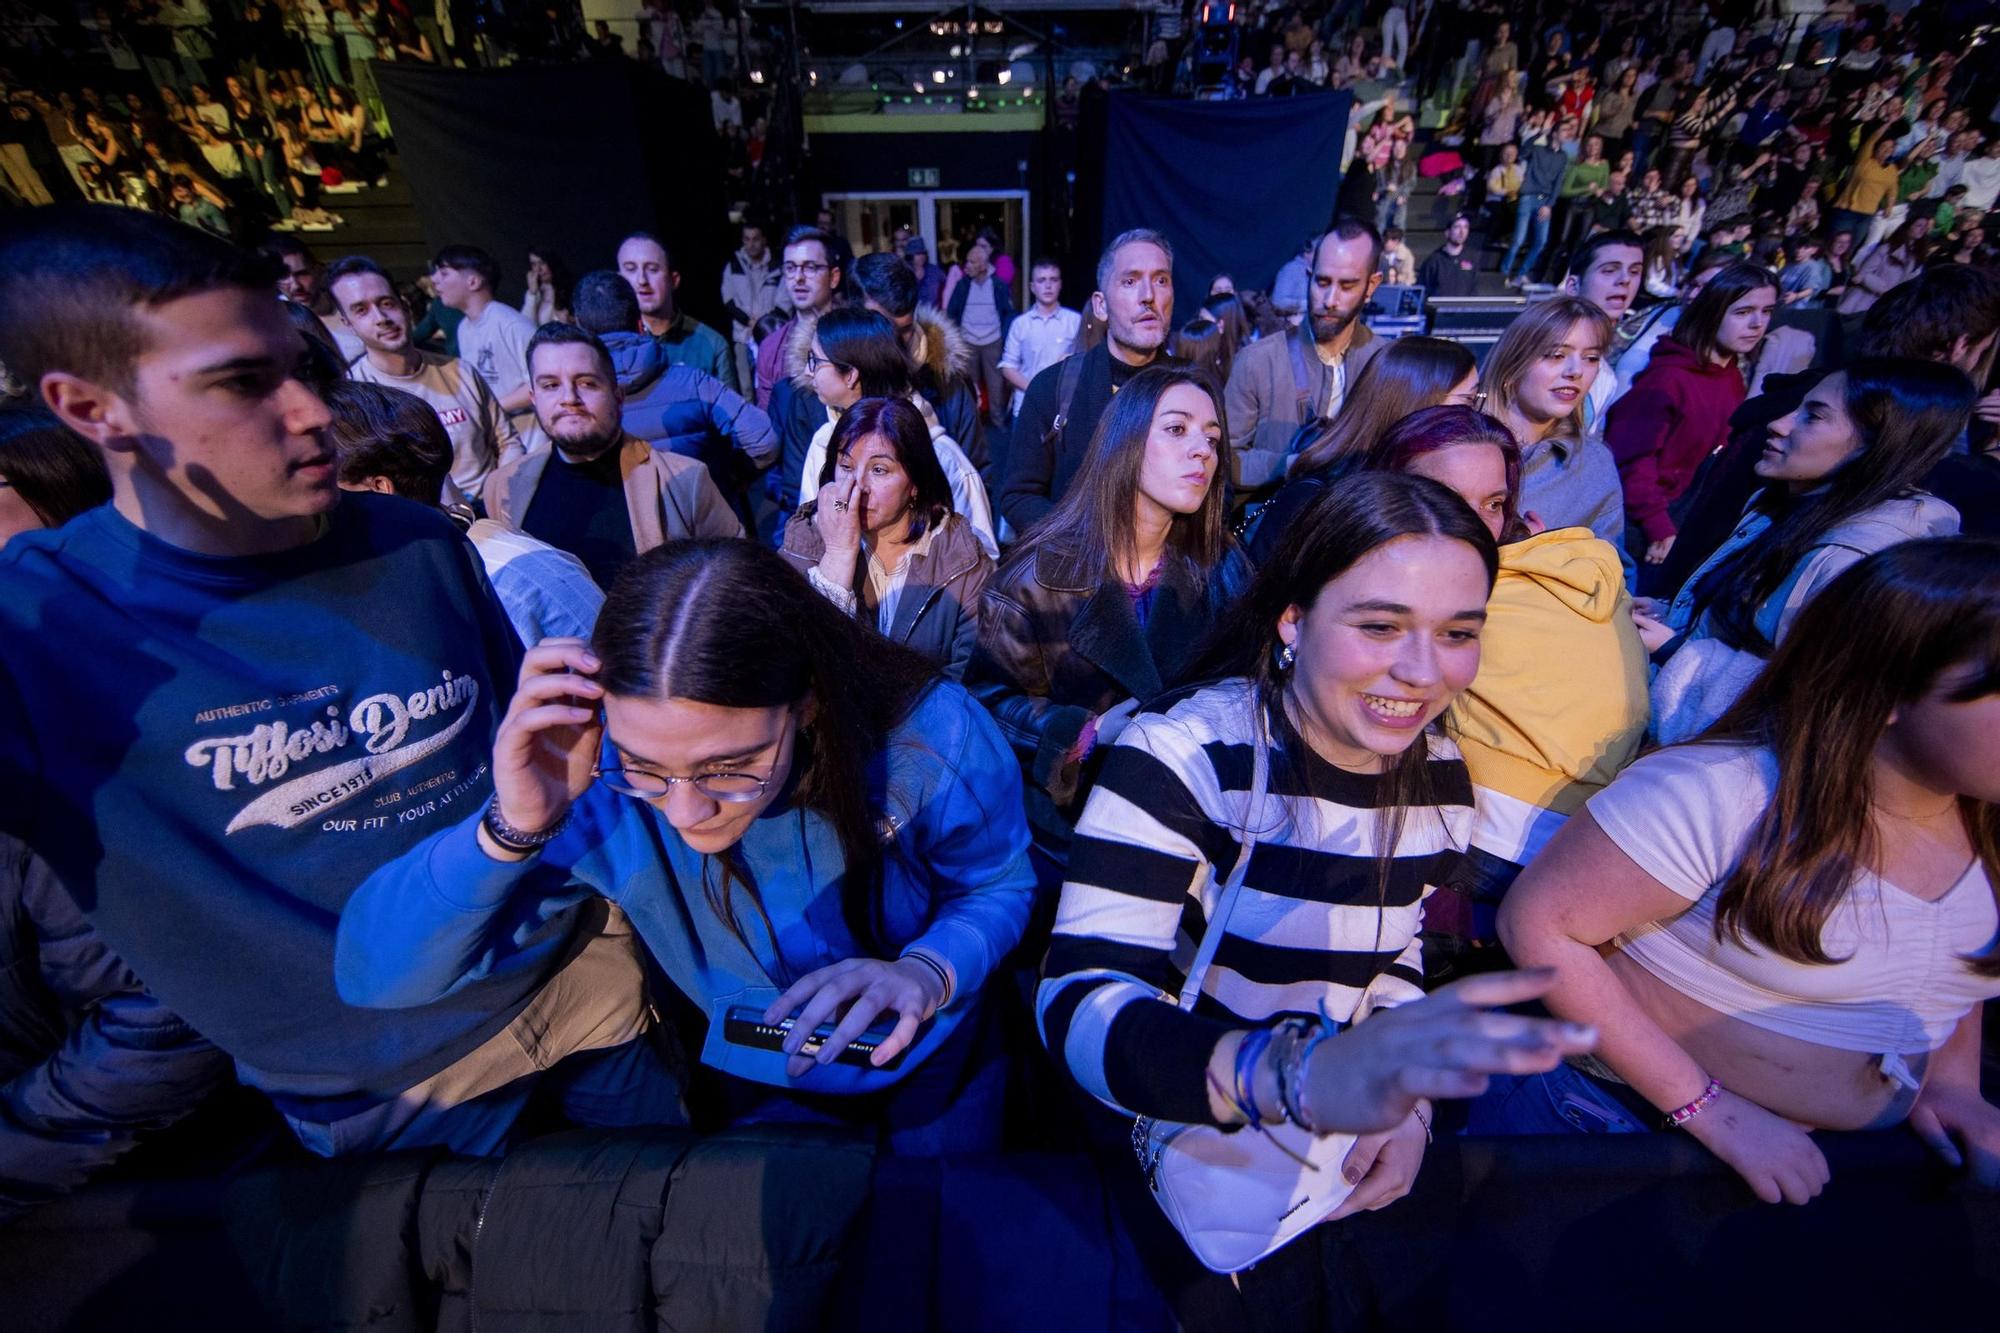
x,y
1278,384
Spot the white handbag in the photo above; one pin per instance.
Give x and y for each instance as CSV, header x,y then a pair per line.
x,y
1238,1195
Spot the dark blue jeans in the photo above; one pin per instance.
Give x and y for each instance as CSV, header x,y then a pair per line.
x,y
1563,1101
1528,215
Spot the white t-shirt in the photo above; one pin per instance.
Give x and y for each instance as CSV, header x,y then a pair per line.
x,y
496,345
481,438
1898,983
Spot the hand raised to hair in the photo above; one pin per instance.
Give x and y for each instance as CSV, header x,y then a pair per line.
x,y
548,742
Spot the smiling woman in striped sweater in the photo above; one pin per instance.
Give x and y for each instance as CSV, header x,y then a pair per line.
x,y
1347,649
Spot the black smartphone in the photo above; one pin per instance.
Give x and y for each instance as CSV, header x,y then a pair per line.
x,y
744,1026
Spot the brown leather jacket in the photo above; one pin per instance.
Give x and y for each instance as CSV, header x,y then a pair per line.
x,y
938,613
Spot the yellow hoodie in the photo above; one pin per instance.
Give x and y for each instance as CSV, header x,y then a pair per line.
x,y
1560,703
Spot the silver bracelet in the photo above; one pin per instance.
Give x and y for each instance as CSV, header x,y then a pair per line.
x,y
518,840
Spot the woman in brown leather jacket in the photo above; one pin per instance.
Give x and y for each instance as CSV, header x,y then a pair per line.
x,y
881,541
1104,602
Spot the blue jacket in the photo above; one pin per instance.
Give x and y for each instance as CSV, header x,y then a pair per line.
x,y
688,411
956,887
88,1059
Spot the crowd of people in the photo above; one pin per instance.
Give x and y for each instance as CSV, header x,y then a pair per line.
x,y
247,116
975,726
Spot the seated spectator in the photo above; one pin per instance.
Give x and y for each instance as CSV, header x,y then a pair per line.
x,y
737,755
1537,380
1895,261
545,297
598,492
881,541
48,473
1452,269
1806,274
855,354
1399,266
1409,375
1664,264
1847,468
392,443
1105,602
1788,924
1560,704
1313,778
1677,411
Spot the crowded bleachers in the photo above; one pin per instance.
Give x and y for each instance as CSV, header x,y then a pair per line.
x,y
912,781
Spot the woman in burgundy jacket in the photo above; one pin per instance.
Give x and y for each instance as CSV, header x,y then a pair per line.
x,y
1677,410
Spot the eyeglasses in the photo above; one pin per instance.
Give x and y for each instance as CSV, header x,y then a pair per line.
x,y
645,785
814,361
809,269
1475,400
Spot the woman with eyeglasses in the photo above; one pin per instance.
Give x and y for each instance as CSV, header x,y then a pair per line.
x,y
1407,375
880,539
802,820
855,354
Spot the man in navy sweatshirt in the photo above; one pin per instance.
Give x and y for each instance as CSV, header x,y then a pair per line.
x,y
231,693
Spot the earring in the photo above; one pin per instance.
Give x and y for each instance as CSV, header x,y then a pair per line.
x,y
1286,656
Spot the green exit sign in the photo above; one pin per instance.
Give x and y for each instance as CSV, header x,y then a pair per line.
x,y
923,178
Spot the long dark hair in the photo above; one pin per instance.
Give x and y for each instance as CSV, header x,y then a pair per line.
x,y
1909,413
1342,524
730,623
902,425
58,472
1094,523
561,282
1407,375
1701,322
866,343
1922,607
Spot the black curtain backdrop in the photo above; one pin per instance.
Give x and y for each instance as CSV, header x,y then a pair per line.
x,y
573,157
1236,186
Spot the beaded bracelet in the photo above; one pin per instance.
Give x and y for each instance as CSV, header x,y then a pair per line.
x,y
1248,1052
1676,1119
1292,1072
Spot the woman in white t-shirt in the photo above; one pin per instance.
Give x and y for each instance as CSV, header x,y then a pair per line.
x,y
1790,923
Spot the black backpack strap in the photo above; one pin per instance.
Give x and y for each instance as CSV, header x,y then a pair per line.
x,y
1066,381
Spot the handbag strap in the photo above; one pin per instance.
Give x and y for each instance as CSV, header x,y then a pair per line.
x,y
1211,935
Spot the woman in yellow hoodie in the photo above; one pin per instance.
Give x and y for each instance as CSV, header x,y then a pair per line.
x,y
1560,702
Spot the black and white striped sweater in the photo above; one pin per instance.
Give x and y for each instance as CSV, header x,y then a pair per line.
x,y
1160,835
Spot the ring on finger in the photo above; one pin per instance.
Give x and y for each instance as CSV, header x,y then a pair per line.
x,y
840,506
